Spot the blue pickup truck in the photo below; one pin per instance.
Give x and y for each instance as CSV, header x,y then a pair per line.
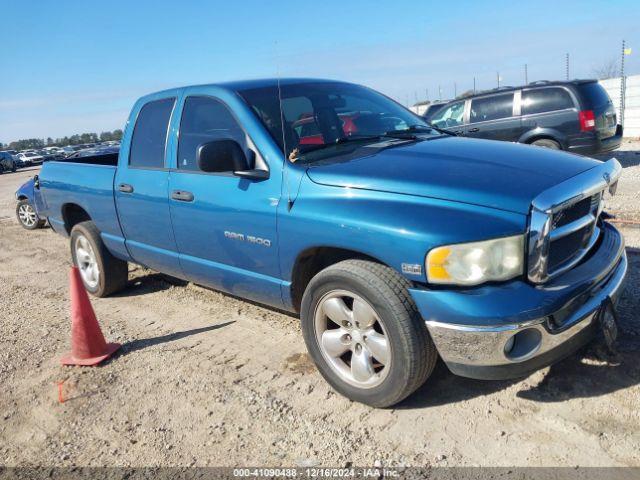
x,y
396,243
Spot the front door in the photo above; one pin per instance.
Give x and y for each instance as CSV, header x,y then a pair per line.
x,y
141,190
493,118
225,226
450,117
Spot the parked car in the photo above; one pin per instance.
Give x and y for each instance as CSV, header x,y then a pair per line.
x,y
7,162
577,116
395,245
30,158
28,198
48,155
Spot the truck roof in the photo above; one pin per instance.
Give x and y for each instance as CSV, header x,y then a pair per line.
x,y
237,85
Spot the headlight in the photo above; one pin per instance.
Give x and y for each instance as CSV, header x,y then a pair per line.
x,y
476,262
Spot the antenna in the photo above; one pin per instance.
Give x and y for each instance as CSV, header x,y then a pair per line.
x,y
285,166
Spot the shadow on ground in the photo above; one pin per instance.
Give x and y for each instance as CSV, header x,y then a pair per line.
x,y
135,345
627,158
150,283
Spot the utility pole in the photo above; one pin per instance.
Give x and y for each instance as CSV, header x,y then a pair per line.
x,y
439,92
498,78
622,84
455,90
526,76
426,91
567,65
474,84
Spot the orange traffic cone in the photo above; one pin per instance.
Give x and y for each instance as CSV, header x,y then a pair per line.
x,y
88,346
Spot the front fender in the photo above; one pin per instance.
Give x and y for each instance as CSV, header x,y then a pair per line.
x,y
26,191
394,228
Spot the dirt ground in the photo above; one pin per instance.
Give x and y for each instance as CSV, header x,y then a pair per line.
x,y
207,379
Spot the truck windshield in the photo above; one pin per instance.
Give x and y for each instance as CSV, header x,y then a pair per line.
x,y
330,117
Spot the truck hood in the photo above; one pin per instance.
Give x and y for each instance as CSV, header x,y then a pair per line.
x,y
506,176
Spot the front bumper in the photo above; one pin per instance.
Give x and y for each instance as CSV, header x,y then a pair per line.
x,y
471,327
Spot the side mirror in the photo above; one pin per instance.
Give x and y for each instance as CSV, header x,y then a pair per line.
x,y
221,156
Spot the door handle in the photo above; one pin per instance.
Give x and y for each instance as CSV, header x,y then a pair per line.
x,y
458,132
125,188
473,130
182,196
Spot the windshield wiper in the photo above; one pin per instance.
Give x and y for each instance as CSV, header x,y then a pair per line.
x,y
420,128
350,139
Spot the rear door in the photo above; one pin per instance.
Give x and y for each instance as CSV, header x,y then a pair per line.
x,y
493,117
594,97
141,187
225,226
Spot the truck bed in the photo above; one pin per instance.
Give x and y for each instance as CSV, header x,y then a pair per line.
x,y
74,186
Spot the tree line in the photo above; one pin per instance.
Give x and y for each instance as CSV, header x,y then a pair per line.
x,y
78,139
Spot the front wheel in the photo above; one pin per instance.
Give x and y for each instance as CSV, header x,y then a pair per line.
x,y
102,274
365,334
27,216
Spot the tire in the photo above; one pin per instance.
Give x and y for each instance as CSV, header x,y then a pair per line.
x,y
27,216
88,252
410,355
547,143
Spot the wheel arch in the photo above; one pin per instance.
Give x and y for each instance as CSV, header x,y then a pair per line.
x,y
72,214
546,134
314,259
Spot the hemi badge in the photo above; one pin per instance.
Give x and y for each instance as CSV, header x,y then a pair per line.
x,y
412,268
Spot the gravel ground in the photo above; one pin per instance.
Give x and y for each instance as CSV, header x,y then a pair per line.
x,y
207,379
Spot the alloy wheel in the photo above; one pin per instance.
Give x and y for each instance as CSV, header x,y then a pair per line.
x,y
352,338
87,262
27,215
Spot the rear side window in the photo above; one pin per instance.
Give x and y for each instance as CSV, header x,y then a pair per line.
x,y
545,100
150,134
593,95
205,119
491,108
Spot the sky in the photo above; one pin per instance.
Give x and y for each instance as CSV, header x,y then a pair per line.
x,y
71,66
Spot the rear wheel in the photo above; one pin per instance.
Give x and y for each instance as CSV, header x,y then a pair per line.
x,y
365,334
547,143
27,215
102,274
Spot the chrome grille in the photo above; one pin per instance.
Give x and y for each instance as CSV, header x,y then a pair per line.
x,y
563,223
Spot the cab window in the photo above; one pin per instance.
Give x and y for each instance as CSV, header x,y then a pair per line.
x,y
150,134
491,108
205,119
